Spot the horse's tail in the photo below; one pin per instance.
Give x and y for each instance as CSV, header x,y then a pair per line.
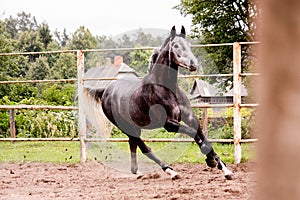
x,y
95,93
91,105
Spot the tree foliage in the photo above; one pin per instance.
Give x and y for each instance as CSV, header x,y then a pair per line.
x,y
222,22
213,22
65,66
45,34
23,33
140,61
83,39
39,70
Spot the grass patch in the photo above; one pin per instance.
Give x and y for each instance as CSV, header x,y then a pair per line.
x,y
54,152
224,151
68,152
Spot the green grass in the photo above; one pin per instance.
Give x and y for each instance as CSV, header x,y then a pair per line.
x,y
54,152
68,152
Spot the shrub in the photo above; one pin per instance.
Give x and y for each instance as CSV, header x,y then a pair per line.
x,y
226,130
4,124
45,124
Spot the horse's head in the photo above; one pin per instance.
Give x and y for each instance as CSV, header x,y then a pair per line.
x,y
180,49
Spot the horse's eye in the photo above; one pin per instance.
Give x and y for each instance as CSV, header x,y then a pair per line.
x,y
176,46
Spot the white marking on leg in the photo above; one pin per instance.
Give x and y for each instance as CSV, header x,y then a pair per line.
x,y
174,175
139,174
228,174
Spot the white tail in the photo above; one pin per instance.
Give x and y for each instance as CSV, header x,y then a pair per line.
x,y
98,124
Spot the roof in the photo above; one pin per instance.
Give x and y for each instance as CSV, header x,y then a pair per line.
x,y
205,89
110,71
244,91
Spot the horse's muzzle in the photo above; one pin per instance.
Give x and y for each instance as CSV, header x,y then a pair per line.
x,y
192,68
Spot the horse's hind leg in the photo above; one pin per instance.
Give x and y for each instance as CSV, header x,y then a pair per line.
x,y
134,165
148,152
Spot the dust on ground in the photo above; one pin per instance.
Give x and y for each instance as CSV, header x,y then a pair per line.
x,y
93,180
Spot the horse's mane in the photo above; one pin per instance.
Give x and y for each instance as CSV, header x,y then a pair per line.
x,y
153,59
156,52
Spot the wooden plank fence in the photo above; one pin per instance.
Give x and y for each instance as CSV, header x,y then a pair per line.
x,y
237,105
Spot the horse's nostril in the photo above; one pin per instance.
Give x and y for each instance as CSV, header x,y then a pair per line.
x,y
192,68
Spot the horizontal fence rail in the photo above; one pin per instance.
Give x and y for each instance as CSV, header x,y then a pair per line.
x,y
40,81
37,107
123,140
237,105
118,49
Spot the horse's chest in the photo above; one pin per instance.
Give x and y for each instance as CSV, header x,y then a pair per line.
x,y
151,109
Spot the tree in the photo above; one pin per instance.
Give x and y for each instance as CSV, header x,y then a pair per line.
x,y
29,41
26,23
140,61
83,39
40,69
5,61
45,34
65,66
63,39
144,39
5,47
11,27
222,22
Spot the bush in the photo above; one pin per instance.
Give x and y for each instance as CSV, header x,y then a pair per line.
x,y
4,124
226,130
58,94
46,124
42,123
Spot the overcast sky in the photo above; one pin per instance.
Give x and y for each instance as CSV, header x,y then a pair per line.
x,y
101,17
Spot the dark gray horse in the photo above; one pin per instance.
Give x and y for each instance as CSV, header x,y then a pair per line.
x,y
156,101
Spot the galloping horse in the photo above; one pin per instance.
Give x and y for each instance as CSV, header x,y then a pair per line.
x,y
156,101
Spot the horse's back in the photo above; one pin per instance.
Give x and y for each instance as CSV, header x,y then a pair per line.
x,y
116,98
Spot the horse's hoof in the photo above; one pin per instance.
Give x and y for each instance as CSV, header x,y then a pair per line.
x,y
229,176
211,162
175,177
139,175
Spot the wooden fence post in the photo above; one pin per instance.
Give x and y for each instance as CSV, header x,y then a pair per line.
x,y
12,123
237,84
81,115
279,97
205,122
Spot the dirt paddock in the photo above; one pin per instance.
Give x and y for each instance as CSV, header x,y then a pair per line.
x,y
96,181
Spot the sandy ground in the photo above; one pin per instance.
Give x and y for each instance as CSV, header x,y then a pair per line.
x,y
93,180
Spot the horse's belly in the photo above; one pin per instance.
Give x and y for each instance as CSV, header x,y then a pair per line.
x,y
156,117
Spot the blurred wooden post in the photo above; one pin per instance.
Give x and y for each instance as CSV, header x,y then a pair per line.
x,y
81,114
237,84
12,123
279,98
205,122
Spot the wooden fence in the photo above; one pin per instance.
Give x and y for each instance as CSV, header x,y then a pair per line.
x,y
82,128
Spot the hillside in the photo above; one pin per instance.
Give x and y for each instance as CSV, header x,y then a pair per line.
x,y
154,32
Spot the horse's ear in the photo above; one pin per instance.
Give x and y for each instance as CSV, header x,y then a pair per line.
x,y
173,32
182,33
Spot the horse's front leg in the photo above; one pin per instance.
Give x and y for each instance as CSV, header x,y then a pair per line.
x,y
212,159
195,132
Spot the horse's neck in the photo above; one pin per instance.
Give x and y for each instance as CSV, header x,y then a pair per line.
x,y
164,72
